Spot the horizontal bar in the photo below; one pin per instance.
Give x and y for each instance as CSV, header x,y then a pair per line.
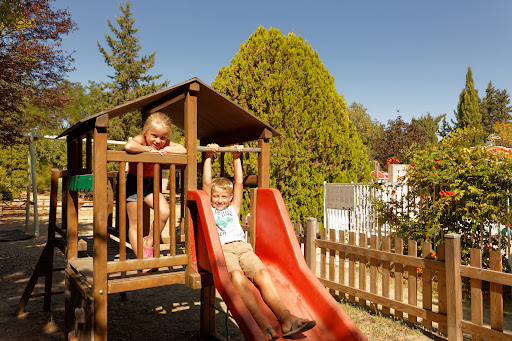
x,y
228,149
484,332
143,282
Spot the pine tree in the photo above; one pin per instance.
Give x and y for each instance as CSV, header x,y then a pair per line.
x,y
282,80
130,79
468,109
495,108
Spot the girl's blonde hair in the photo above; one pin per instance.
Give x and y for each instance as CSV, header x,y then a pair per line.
x,y
157,119
223,183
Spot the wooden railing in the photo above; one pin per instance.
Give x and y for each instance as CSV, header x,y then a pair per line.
x,y
344,266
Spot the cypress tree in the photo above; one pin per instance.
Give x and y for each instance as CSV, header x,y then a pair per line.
x,y
495,108
130,79
282,80
468,109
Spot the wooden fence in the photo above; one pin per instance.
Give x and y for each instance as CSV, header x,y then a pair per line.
x,y
374,275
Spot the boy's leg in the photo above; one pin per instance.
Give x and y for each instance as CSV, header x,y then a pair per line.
x,y
273,299
240,282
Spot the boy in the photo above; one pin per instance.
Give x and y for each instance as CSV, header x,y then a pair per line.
x,y
241,261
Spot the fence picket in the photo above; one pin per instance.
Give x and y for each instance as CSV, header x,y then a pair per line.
x,y
477,309
399,296
412,280
341,255
426,249
373,270
386,246
496,293
332,257
441,284
323,254
352,265
363,242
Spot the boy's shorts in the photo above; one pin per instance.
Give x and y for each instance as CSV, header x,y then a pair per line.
x,y
240,256
131,187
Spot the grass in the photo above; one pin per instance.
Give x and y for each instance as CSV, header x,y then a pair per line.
x,y
377,326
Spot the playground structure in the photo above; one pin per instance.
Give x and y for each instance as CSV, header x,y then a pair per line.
x,y
204,115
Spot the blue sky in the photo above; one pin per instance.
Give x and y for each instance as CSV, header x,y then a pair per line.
x,y
405,55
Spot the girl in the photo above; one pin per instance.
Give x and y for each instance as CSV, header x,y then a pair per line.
x,y
154,139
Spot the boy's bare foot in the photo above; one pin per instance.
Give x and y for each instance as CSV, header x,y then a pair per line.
x,y
291,324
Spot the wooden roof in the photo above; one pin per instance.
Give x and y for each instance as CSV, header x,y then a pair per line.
x,y
219,119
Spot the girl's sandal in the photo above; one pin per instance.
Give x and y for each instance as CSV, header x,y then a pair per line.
x,y
268,331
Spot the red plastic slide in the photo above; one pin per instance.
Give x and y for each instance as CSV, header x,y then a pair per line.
x,y
277,246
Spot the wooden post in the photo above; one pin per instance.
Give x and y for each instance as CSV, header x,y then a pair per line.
x,y
121,211
100,228
323,254
34,181
172,204
264,162
477,308
157,184
453,286
72,200
51,239
309,246
89,154
412,280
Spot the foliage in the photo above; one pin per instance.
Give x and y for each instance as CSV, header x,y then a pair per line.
x,y
468,110
459,187
495,108
130,79
504,133
398,135
430,127
367,129
32,66
282,80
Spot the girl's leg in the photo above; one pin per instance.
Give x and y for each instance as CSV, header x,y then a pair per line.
x,y
271,296
163,216
240,282
131,209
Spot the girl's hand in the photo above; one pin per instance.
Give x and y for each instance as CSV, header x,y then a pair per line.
x,y
151,149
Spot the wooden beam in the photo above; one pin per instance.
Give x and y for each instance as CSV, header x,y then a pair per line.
x,y
264,163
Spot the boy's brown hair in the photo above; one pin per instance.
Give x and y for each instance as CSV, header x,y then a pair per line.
x,y
223,183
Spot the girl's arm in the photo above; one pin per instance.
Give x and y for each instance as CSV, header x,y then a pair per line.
x,y
207,169
238,184
136,145
174,148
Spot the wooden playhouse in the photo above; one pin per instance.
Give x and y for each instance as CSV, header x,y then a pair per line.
x,y
205,116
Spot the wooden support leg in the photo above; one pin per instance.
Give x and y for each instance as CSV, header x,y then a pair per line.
x,y
207,319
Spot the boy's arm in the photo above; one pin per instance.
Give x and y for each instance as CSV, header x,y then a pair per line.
x,y
207,169
238,184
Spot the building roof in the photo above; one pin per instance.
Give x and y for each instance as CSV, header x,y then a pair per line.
x,y
219,119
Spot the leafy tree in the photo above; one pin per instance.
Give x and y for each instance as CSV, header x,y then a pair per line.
x,y
430,126
468,110
460,186
397,138
367,129
282,80
32,66
495,108
130,79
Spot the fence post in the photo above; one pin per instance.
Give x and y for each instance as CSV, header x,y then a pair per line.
x,y
453,286
309,245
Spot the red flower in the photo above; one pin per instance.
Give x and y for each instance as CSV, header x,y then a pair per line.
x,y
449,193
393,192
442,193
418,270
488,247
392,160
413,166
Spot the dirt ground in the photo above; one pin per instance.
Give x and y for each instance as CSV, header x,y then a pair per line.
x,y
164,313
